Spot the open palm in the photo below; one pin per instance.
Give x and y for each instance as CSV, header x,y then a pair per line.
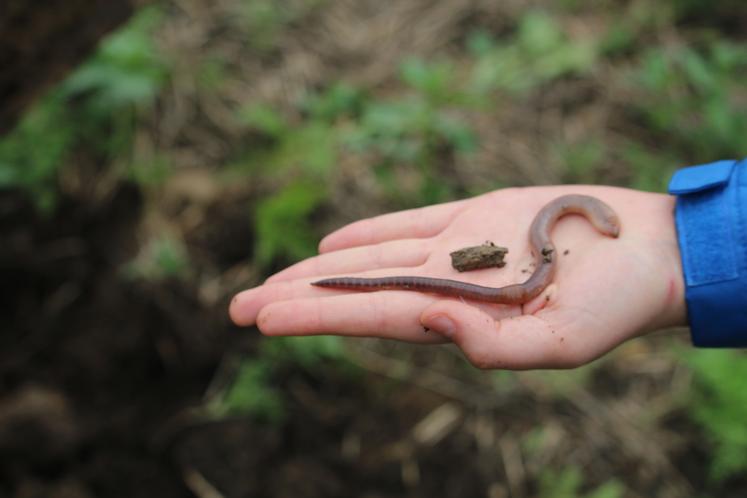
x,y
604,292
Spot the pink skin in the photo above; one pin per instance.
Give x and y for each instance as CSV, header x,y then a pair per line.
x,y
604,292
598,213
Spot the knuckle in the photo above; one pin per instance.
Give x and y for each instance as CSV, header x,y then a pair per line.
x,y
378,318
367,229
376,254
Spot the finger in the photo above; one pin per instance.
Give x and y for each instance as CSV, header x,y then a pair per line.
x,y
375,314
246,305
515,343
397,253
412,223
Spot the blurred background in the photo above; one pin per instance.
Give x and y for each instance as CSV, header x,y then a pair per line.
x,y
205,144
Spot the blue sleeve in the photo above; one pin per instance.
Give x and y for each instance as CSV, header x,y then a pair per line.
x,y
711,219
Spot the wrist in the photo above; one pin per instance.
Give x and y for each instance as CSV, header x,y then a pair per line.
x,y
673,307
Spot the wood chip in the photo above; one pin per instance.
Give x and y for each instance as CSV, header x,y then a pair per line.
x,y
487,255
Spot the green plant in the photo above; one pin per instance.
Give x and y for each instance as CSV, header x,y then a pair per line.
x,y
308,149
212,73
693,98
416,131
408,131
264,21
412,132
162,258
434,81
305,153
32,153
306,351
155,171
565,483
126,69
283,227
650,170
340,100
582,159
563,382
251,391
94,109
719,406
264,118
540,51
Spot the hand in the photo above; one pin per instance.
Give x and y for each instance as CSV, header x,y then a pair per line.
x,y
605,290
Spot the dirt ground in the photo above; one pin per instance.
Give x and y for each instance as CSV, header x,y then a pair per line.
x,y
103,375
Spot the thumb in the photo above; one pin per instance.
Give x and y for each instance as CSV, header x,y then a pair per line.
x,y
464,325
516,342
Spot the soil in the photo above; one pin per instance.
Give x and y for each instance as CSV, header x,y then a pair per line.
x,y
105,374
101,373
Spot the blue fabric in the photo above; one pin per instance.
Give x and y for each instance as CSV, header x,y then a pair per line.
x,y
711,218
697,178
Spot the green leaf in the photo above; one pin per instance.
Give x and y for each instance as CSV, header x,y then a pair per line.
x,y
566,483
340,99
265,118
127,69
432,79
480,42
457,133
251,394
719,405
283,228
539,33
307,351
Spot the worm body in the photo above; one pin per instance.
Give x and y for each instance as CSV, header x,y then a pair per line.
x,y
599,214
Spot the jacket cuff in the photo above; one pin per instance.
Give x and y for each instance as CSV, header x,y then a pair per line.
x,y
711,220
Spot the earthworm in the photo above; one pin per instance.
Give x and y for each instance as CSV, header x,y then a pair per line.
x,y
599,214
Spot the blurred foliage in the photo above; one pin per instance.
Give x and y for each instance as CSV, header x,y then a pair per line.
x,y
693,98
539,52
302,156
250,393
212,73
31,155
305,351
415,132
402,133
153,171
582,159
650,170
264,21
566,483
283,226
253,390
162,258
94,110
719,405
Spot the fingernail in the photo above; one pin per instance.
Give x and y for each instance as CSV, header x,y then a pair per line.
x,y
442,325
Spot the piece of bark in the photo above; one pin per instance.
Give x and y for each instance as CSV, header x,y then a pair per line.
x,y
487,255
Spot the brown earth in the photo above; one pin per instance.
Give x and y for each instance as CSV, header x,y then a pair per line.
x,y
105,375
